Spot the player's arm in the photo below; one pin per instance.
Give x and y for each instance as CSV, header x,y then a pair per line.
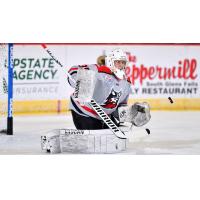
x,y
137,114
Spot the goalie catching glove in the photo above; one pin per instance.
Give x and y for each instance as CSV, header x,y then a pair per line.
x,y
138,114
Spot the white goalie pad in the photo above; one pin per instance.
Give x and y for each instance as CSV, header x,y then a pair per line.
x,y
82,141
51,141
85,84
137,114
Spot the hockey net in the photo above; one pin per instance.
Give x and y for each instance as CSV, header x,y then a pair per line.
x,y
3,87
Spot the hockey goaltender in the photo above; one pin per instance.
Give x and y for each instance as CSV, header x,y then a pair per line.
x,y
99,109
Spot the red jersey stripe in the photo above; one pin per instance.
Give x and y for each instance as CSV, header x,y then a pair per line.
x,y
73,69
89,110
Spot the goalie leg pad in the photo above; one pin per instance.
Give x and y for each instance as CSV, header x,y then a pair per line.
x,y
89,141
92,144
51,142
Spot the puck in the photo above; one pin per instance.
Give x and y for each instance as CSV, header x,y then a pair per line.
x,y
148,131
170,99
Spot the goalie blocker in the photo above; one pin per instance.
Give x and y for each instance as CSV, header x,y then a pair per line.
x,y
82,141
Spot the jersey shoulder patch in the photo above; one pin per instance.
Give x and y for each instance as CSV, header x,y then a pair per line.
x,y
104,69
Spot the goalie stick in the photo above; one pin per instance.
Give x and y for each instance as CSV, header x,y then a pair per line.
x,y
56,60
107,120
93,103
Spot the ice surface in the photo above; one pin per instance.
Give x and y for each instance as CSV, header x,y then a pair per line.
x,y
28,131
171,133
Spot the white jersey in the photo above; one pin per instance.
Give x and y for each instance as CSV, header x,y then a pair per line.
x,y
109,93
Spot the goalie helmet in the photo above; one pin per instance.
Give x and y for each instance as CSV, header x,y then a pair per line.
x,y
117,55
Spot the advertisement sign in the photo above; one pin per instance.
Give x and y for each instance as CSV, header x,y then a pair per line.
x,y
157,72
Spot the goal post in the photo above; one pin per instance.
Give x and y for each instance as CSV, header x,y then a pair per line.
x,y
10,90
6,89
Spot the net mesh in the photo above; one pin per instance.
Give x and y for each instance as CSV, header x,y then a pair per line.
x,y
3,86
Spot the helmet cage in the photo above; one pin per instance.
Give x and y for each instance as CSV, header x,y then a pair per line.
x,y
114,55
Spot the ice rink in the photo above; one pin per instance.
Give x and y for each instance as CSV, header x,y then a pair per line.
x,y
171,133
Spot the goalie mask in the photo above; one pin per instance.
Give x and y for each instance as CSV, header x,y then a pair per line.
x,y
117,61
